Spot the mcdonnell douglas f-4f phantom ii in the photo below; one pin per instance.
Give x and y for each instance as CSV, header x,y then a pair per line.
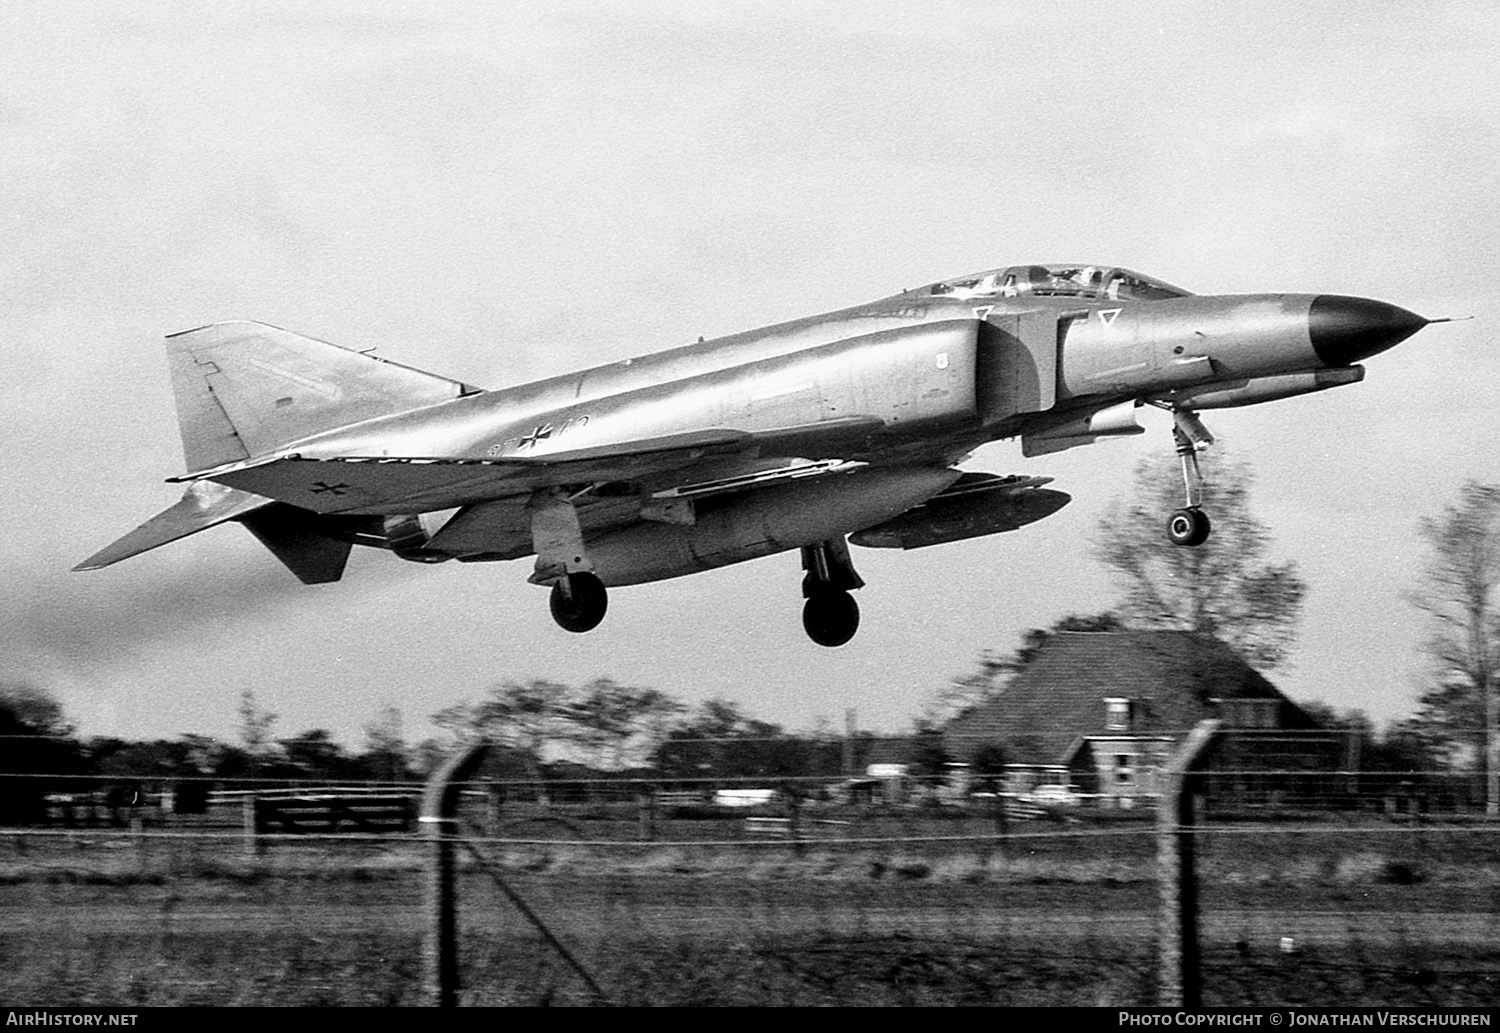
x,y
844,427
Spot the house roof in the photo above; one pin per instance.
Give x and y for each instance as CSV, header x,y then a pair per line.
x,y
1172,677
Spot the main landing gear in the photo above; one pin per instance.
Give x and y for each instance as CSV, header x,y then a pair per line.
x,y
1190,525
579,601
578,597
830,616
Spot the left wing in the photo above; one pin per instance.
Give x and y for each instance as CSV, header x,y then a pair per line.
x,y
385,484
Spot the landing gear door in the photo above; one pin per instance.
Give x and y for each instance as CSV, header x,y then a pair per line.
x,y
1017,367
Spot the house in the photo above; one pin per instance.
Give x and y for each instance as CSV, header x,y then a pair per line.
x,y
1104,711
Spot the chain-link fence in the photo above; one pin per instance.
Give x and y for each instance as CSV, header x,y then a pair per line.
x,y
627,893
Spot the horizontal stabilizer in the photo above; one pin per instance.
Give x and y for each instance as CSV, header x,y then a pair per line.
x,y
203,505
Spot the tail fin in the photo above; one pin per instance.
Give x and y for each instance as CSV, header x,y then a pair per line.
x,y
244,389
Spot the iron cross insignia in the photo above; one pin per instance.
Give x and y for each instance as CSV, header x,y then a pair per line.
x,y
323,487
542,433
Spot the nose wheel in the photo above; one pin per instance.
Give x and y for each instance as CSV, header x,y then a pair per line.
x,y
1188,527
578,602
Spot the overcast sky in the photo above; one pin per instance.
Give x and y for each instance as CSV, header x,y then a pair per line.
x,y
498,192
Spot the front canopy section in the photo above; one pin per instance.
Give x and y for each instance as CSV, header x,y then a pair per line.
x,y
1077,281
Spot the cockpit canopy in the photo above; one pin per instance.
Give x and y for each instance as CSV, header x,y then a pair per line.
x,y
1076,281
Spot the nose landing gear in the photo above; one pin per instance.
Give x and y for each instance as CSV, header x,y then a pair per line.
x,y
1190,525
830,616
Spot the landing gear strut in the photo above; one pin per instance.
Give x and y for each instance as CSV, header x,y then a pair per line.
x,y
830,616
1189,525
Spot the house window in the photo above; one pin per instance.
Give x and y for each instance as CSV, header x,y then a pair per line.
x,y
1116,714
1124,769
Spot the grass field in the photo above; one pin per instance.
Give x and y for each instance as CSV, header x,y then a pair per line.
x,y
1379,916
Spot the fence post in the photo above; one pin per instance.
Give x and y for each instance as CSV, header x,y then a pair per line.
x,y
251,837
494,807
138,841
438,820
646,803
794,819
1002,819
1180,979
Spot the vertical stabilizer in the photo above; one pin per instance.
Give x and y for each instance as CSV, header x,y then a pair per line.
x,y
244,389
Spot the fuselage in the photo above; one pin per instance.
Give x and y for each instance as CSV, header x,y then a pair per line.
x,y
1005,353
844,427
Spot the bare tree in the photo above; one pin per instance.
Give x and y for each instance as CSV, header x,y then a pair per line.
x,y
718,739
1224,588
35,739
530,717
33,709
539,722
315,754
616,724
385,745
255,728
1460,593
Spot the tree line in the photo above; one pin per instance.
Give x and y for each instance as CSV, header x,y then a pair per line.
x,y
539,729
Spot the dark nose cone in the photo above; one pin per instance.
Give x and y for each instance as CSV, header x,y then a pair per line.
x,y
1346,330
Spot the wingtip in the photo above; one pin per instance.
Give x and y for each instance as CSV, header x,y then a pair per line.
x,y
98,560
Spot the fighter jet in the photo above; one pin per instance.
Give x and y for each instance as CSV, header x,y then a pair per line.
x,y
809,435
